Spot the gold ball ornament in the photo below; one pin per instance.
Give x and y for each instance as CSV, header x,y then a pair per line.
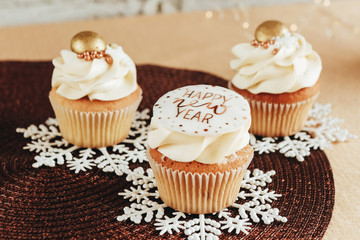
x,y
269,29
87,41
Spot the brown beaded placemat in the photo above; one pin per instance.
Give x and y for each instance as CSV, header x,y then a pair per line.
x,y
48,203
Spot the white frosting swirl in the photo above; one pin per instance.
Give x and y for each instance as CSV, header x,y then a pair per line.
x,y
204,149
294,67
75,78
200,123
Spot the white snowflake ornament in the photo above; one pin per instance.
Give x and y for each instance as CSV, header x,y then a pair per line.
x,y
170,224
53,150
294,148
202,228
266,145
146,205
234,223
253,202
83,162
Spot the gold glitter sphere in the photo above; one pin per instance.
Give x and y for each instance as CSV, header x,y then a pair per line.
x,y
269,29
87,41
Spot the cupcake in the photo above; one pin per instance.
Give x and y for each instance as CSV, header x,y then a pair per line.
x,y
199,147
278,73
94,92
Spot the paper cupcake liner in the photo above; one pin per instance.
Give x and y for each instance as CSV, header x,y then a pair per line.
x,y
273,119
94,129
197,193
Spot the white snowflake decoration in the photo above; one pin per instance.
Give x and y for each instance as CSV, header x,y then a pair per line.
x,y
82,163
319,132
52,149
145,202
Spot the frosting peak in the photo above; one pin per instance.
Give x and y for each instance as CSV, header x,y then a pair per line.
x,y
293,67
75,78
200,123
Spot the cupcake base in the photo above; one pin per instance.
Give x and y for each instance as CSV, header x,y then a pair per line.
x,y
94,129
279,115
199,193
276,119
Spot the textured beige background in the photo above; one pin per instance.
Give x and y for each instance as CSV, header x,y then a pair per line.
x,y
19,12
195,42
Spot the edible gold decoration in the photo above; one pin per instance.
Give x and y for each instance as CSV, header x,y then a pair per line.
x,y
275,51
109,59
87,41
269,29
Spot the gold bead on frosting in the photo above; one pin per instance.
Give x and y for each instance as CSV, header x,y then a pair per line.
x,y
269,29
87,41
